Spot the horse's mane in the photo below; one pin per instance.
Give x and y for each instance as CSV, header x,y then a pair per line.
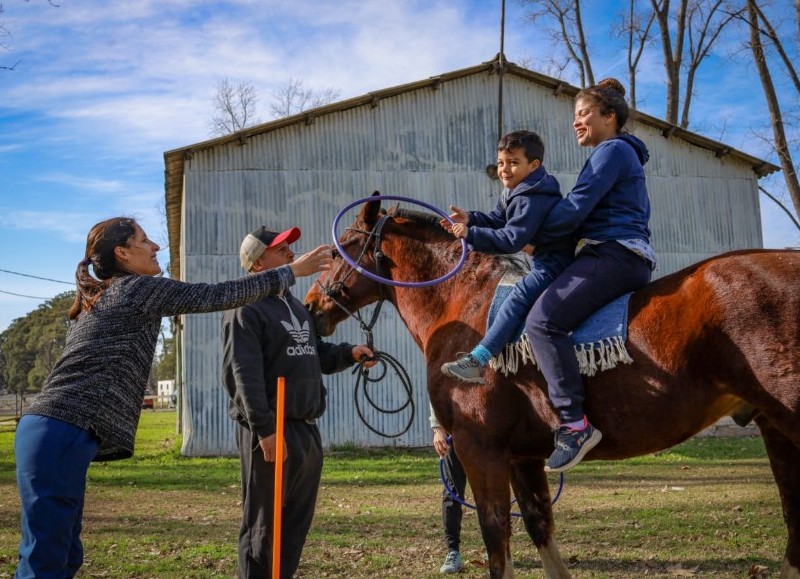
x,y
420,217
430,222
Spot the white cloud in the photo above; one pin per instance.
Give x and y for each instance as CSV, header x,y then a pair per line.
x,y
70,226
147,74
9,148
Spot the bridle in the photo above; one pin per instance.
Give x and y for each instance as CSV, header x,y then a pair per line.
x,y
332,289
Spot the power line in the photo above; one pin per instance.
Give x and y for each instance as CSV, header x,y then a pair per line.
x,y
24,296
36,277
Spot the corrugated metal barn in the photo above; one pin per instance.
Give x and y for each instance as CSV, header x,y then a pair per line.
x,y
431,140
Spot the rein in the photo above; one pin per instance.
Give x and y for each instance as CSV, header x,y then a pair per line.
x,y
384,360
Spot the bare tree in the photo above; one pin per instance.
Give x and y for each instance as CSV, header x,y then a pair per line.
x,y
672,50
766,29
635,29
783,207
686,25
5,36
292,97
234,107
797,20
702,21
781,143
706,22
568,31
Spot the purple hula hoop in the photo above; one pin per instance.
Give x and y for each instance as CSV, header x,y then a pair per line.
x,y
377,278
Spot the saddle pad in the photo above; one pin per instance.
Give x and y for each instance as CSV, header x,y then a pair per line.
x,y
599,341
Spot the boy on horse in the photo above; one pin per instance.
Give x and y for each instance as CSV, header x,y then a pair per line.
x,y
529,195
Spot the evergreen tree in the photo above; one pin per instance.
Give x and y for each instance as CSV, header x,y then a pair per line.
x,y
31,345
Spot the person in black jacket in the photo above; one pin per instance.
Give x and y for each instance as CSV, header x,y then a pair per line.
x,y
262,341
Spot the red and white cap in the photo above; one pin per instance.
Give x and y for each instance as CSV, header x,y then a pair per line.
x,y
257,241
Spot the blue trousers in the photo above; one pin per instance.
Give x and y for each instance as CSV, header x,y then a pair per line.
x,y
512,313
598,275
452,512
52,461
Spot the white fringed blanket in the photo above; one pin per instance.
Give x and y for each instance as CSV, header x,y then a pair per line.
x,y
599,341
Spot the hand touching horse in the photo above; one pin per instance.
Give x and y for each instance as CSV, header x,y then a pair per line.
x,y
718,338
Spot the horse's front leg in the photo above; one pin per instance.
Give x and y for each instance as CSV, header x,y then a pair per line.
x,y
533,497
488,474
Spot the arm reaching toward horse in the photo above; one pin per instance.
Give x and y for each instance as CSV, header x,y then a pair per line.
x,y
460,230
317,260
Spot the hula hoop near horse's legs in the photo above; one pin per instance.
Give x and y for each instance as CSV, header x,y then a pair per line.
x,y
718,338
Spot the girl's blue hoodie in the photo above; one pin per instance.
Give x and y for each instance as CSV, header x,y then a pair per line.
x,y
517,217
609,200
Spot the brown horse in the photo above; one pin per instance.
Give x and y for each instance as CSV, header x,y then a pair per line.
x,y
718,338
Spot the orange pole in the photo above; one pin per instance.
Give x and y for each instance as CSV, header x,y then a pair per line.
x,y
278,501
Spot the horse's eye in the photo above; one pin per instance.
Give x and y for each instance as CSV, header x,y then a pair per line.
x,y
335,253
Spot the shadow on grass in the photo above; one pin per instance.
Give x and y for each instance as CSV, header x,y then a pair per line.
x,y
660,566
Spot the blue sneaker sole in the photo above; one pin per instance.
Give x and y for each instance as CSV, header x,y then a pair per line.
x,y
593,441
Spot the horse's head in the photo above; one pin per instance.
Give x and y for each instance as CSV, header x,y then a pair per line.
x,y
341,290
398,244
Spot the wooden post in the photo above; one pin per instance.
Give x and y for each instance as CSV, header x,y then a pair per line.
x,y
278,500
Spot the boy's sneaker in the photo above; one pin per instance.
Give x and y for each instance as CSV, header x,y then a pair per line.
x,y
571,447
466,368
452,563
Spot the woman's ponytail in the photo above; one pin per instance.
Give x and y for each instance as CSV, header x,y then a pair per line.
x,y
101,242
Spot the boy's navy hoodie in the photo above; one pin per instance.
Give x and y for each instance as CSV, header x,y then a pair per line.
x,y
517,217
609,200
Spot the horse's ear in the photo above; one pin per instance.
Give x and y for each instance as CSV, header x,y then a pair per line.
x,y
370,210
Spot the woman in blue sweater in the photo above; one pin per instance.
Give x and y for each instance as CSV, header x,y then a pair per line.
x,y
90,403
607,212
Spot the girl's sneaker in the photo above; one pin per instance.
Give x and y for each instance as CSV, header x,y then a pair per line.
x,y
571,447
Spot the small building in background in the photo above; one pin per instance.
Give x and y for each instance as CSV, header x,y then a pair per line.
x,y
432,140
165,388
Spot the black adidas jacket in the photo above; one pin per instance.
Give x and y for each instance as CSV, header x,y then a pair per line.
x,y
270,338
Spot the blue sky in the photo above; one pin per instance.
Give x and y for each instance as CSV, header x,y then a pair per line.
x,y
102,88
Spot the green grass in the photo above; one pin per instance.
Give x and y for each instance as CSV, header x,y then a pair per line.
x,y
708,507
